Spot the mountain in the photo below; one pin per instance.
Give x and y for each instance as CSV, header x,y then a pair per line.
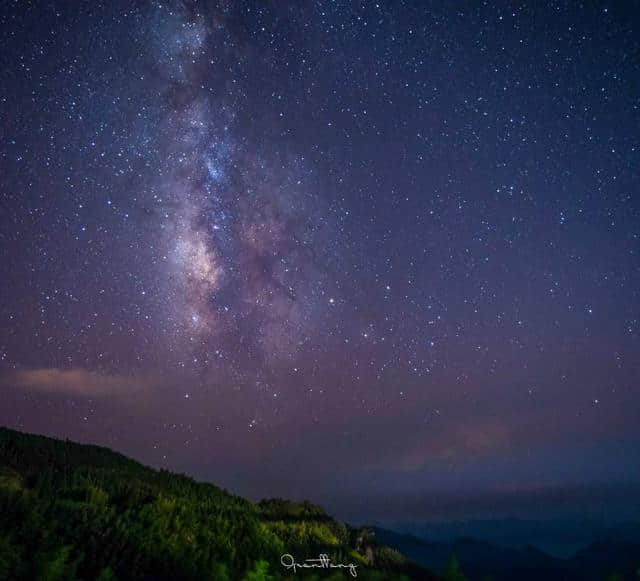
x,y
607,560
562,536
70,511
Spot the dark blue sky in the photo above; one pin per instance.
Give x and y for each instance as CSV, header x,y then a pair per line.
x,y
370,254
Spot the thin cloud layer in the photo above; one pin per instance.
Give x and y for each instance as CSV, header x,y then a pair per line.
x,y
79,382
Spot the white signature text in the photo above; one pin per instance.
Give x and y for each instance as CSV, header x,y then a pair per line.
x,y
322,562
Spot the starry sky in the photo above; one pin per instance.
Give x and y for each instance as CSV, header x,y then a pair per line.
x,y
384,256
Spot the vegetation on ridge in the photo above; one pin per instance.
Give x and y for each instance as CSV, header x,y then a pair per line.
x,y
71,511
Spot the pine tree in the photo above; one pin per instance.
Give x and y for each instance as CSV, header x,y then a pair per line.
x,y
453,571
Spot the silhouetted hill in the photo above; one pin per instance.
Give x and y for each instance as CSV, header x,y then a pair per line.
x,y
560,537
482,561
71,511
607,555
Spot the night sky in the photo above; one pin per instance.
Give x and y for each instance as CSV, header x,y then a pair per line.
x,y
382,256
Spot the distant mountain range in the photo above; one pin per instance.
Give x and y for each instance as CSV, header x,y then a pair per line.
x,y
559,537
605,560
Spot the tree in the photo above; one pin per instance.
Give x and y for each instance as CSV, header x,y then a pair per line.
x,y
453,571
56,567
260,572
106,574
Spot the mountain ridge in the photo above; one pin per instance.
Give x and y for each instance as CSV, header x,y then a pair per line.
x,y
481,560
76,511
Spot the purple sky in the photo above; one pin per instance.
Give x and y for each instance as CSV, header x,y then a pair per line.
x,y
384,257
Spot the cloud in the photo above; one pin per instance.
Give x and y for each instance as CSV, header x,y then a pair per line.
x,y
79,382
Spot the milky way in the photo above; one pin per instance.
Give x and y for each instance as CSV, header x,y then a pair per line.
x,y
241,225
394,246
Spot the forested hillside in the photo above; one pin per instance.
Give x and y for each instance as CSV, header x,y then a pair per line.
x,y
70,511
